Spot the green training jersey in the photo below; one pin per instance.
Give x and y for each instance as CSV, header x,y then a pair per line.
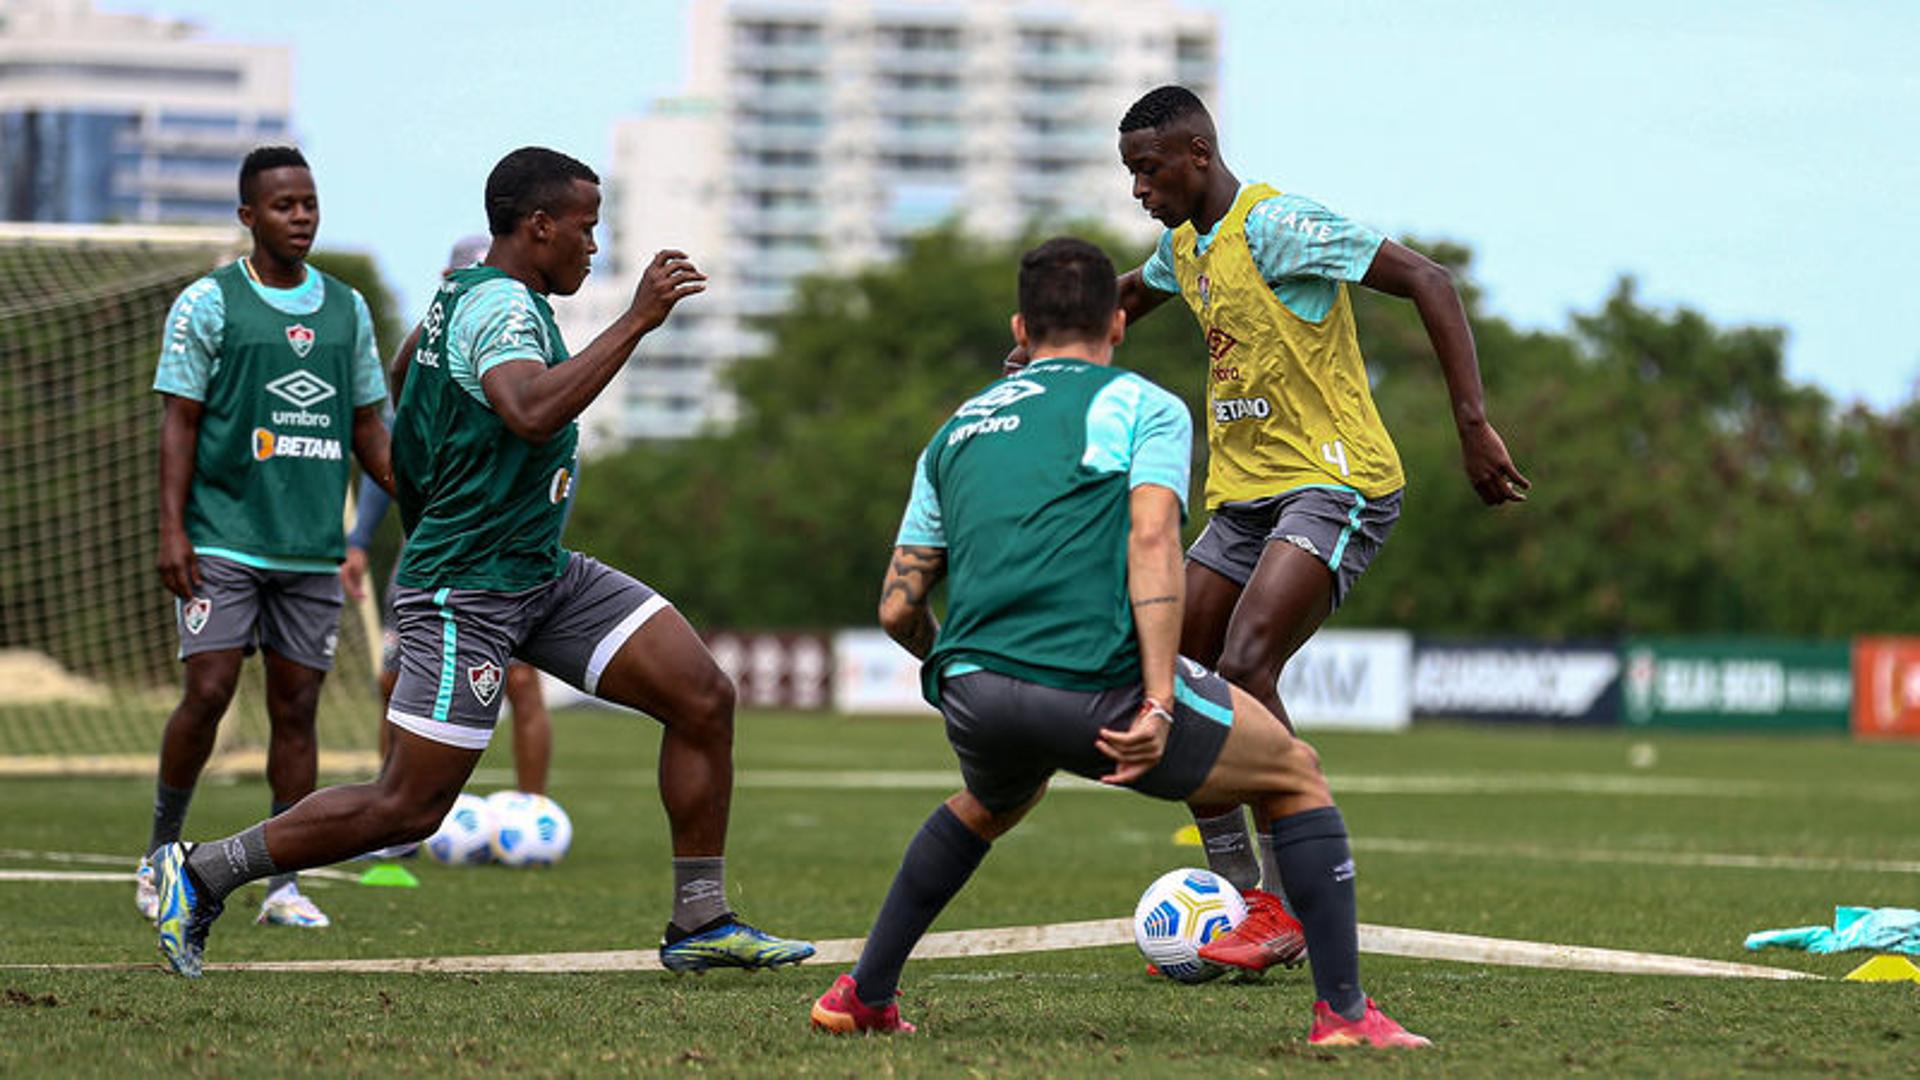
x,y
483,508
270,463
1027,487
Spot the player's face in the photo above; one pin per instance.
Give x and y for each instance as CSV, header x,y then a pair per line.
x,y
570,247
1166,181
284,213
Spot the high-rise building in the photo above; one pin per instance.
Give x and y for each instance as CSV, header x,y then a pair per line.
x,y
817,134
110,117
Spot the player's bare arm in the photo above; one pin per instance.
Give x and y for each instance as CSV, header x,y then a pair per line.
x,y
1137,298
1155,589
1400,271
905,613
371,446
402,360
536,401
179,439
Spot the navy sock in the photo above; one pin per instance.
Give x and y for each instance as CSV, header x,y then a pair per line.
x,y
169,813
1229,851
278,880
939,860
1316,869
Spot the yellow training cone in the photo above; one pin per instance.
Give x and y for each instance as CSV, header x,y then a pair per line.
x,y
1187,836
1886,969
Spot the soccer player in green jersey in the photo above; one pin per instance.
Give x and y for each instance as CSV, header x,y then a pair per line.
x,y
270,375
1303,481
1053,499
484,442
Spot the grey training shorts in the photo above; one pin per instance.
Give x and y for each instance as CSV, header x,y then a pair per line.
x,y
1339,526
455,644
1012,735
237,606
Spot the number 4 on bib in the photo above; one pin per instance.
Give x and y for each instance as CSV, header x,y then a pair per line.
x,y
1335,453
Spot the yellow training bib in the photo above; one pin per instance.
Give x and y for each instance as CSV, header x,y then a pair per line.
x,y
1288,402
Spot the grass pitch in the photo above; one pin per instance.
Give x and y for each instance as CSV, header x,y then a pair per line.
x,y
1549,836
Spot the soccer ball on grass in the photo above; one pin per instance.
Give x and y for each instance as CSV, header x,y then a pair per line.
x,y
529,830
465,835
1180,912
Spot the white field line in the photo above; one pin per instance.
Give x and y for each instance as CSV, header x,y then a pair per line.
x,y
65,875
1344,783
1708,859
91,858
1001,941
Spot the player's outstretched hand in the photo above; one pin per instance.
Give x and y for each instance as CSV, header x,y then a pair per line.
x,y
1489,469
1138,748
179,569
1017,360
669,279
353,573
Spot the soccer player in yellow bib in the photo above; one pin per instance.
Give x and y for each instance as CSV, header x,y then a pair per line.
x,y
1303,482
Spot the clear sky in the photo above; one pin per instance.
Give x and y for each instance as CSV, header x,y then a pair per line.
x,y
1758,160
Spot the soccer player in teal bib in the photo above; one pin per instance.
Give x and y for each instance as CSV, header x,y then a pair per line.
x,y
271,377
484,441
1053,499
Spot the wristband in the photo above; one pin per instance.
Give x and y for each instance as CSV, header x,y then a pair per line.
x,y
1154,708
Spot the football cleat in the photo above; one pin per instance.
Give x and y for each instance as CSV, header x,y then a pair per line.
x,y
1375,1028
287,906
727,942
1267,936
185,914
841,1012
146,898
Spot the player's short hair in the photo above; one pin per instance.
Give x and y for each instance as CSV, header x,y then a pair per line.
x,y
1161,106
529,179
262,158
1067,291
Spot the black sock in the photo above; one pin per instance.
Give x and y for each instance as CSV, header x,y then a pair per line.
x,y
224,865
1229,852
169,813
1316,868
939,860
276,881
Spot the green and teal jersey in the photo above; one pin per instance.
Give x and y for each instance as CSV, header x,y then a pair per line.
x,y
483,508
1028,488
278,373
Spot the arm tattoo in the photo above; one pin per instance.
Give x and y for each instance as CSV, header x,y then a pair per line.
x,y
914,573
1151,600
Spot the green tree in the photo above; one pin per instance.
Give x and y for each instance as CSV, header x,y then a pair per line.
x,y
1682,482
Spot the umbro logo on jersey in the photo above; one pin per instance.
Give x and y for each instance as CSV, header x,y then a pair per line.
x,y
195,613
1220,343
484,679
1002,395
302,388
301,338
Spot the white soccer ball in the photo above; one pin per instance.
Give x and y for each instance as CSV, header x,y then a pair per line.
x,y
1180,912
465,836
529,830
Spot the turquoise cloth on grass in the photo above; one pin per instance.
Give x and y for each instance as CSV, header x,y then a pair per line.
x,y
1887,929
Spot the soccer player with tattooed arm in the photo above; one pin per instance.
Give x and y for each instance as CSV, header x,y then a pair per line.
x,y
1050,504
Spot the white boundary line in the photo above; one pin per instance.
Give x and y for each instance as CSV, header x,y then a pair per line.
x,y
1689,859
1001,941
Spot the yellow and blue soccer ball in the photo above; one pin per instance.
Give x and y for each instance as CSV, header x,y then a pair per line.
x,y
1180,912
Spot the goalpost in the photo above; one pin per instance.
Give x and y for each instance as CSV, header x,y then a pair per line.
x,y
88,668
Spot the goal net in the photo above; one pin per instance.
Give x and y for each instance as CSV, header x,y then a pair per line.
x,y
88,668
